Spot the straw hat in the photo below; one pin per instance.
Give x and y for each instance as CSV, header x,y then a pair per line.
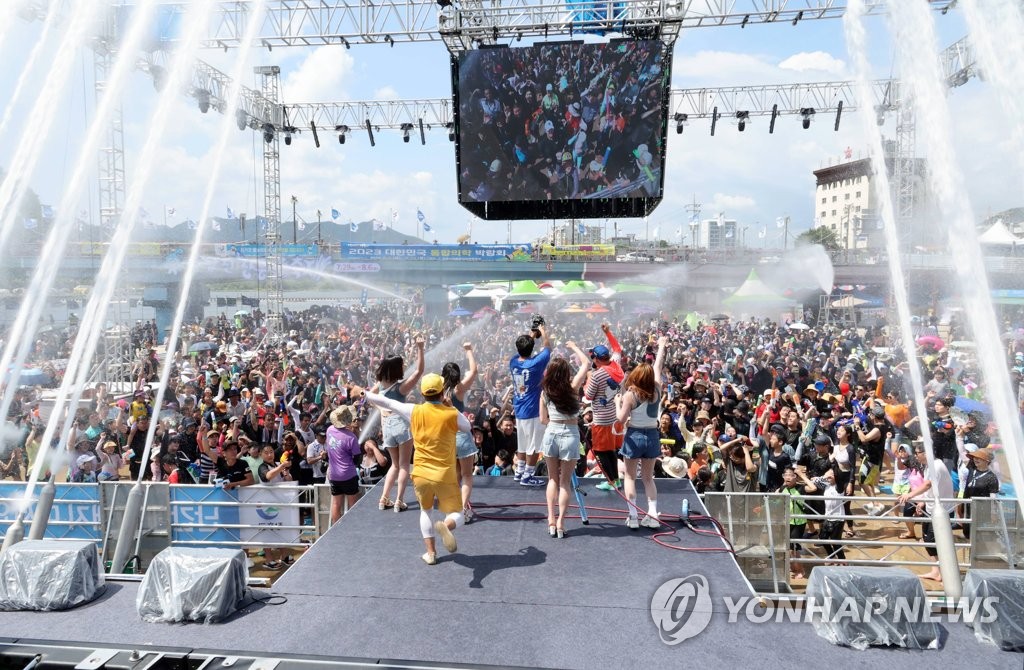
x,y
674,467
343,416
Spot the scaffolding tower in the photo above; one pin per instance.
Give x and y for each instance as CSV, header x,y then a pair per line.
x,y
111,156
274,320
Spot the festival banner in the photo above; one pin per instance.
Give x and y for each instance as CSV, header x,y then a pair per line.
x,y
262,250
198,514
75,514
579,250
477,252
264,521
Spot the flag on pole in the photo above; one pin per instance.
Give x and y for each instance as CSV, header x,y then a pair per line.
x,y
721,218
170,211
695,218
352,225
581,229
655,231
427,228
419,215
31,224
378,225
394,217
302,224
231,215
47,212
764,232
335,214
780,222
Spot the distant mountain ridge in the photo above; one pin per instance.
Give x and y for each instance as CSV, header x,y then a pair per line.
x,y
230,233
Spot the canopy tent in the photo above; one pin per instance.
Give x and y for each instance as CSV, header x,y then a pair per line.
x,y
481,292
857,299
578,289
755,294
629,291
572,309
998,234
526,289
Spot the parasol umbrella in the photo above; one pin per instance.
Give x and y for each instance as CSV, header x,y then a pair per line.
x,y
242,312
579,290
798,326
972,405
484,311
527,308
203,346
932,341
596,309
33,377
572,309
460,311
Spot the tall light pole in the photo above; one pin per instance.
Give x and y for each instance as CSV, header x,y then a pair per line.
x,y
319,240
295,221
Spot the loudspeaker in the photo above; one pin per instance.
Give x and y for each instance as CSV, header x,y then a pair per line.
x,y
994,603
192,584
44,575
864,607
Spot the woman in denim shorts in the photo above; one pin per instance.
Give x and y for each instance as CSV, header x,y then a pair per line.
x,y
455,388
639,408
559,410
397,436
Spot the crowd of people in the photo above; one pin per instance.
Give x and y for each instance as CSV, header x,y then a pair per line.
x,y
562,121
733,406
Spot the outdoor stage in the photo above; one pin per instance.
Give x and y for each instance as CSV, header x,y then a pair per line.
x,y
512,597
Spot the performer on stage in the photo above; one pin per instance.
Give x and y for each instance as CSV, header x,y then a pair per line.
x,y
559,411
455,388
396,430
527,371
434,426
606,432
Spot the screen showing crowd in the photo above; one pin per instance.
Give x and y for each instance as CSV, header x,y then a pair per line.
x,y
562,121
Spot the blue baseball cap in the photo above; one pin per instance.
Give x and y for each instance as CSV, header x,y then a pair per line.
x,y
601,351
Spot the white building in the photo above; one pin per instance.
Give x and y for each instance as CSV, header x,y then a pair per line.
x,y
717,233
573,231
845,203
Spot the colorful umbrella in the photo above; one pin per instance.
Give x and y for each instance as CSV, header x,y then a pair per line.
x,y
460,311
596,309
572,309
932,341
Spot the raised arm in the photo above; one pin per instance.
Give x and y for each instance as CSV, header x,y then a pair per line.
x,y
403,409
470,377
659,360
581,374
410,383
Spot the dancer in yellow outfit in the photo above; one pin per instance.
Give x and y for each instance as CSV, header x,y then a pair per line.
x,y
434,425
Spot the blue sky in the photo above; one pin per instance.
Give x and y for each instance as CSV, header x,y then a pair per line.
x,y
752,177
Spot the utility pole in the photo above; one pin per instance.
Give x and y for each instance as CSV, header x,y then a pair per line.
x,y
785,233
694,209
295,221
319,241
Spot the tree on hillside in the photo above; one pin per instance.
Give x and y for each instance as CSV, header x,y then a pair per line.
x,y
826,237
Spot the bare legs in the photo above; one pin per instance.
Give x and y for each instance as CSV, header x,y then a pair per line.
x,y
559,490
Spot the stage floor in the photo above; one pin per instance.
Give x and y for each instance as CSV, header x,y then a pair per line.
x,y
512,596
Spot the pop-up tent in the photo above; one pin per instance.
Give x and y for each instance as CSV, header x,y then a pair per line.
x,y
755,296
998,235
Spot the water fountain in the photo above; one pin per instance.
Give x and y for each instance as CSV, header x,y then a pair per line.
x,y
30,65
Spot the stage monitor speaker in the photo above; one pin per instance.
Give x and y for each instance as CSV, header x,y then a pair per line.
x,y
866,607
45,575
192,584
995,600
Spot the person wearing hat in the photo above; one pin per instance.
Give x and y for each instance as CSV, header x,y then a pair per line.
x,y
550,101
85,472
977,480
343,453
434,426
674,467
527,370
316,454
606,432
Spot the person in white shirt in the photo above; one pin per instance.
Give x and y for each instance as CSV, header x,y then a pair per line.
x,y
937,474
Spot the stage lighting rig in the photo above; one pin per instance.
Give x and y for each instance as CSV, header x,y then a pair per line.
x,y
741,120
680,120
268,133
451,131
342,131
406,128
203,99
241,119
806,114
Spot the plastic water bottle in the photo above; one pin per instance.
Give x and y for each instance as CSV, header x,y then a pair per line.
x,y
685,513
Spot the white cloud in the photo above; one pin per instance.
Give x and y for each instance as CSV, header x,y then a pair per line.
x,y
385,93
814,61
722,202
323,76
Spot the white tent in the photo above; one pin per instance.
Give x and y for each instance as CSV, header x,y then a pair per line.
x,y
998,234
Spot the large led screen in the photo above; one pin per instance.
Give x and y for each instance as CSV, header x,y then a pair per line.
x,y
564,129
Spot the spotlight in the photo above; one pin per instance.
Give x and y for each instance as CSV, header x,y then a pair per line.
x,y
742,118
268,133
423,137
345,42
406,127
746,20
268,45
203,98
316,137
159,77
880,115
444,3
839,113
519,36
387,38
806,113
341,130
287,137
714,120
680,120
775,115
451,131
799,15
369,131
241,119
494,32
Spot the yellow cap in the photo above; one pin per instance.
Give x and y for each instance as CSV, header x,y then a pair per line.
x,y
431,384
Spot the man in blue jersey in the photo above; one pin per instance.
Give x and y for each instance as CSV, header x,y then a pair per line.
x,y
527,372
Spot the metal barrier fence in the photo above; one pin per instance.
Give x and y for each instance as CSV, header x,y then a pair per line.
x,y
758,525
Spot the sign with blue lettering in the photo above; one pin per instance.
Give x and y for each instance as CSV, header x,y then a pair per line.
x,y
75,514
263,250
195,519
464,252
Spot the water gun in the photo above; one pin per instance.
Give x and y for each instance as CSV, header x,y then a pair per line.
x,y
858,411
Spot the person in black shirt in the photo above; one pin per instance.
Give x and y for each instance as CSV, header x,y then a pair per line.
x,y
236,472
980,481
816,463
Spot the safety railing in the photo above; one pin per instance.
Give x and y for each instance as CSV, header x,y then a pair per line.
x,y
758,525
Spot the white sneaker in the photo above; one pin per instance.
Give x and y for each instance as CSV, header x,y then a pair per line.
x,y
447,536
631,523
650,522
429,559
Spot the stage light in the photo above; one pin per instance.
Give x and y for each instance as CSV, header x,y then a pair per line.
x,y
406,127
369,131
451,131
680,120
341,130
799,15
839,113
268,45
203,98
423,137
494,32
444,3
741,120
948,7
714,120
746,20
775,115
268,133
387,38
345,42
316,137
880,115
806,113
241,119
287,137
159,77
519,36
